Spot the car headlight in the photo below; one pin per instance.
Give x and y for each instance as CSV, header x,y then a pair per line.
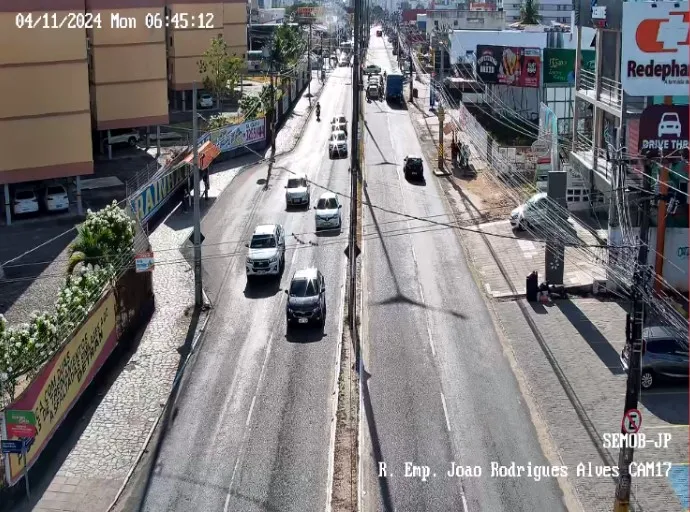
x,y
249,261
274,259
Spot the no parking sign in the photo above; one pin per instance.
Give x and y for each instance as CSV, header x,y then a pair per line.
x,y
632,421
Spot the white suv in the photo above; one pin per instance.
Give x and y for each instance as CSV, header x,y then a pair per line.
x,y
298,191
266,251
123,136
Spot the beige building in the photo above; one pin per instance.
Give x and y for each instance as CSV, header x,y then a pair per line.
x,y
193,24
45,124
61,85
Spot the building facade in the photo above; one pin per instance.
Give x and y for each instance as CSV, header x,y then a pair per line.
x,y
447,19
45,121
67,88
558,11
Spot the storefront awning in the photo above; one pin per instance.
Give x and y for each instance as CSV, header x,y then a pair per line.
x,y
207,153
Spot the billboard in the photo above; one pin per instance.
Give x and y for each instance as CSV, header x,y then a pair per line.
x,y
664,127
548,134
60,383
654,58
309,12
559,65
238,135
509,65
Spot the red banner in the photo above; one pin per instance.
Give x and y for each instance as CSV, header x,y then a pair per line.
x,y
509,65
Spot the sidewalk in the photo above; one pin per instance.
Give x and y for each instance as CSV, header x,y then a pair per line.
x,y
117,429
566,358
480,200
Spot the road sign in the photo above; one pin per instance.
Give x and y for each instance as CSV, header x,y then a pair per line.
x,y
12,446
21,430
632,421
191,238
144,262
20,417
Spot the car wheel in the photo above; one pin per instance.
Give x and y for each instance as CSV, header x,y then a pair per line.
x,y
646,379
132,141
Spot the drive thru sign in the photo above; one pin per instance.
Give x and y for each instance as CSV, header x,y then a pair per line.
x,y
632,421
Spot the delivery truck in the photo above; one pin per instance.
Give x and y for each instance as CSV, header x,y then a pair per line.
x,y
394,89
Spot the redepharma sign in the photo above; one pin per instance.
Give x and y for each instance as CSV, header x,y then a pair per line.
x,y
664,127
559,65
655,51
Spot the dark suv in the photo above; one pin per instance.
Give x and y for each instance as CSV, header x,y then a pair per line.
x,y
413,168
306,298
663,356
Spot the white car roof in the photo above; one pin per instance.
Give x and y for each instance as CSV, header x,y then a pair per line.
x,y
265,229
336,132
306,273
328,195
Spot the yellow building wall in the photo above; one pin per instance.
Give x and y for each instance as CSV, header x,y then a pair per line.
x,y
130,101
47,89
236,37
25,46
142,62
62,139
129,71
235,12
192,43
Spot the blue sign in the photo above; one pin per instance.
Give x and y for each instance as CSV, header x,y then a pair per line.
x,y
12,446
150,199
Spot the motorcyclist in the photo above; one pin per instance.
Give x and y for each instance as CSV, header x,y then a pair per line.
x,y
384,75
318,110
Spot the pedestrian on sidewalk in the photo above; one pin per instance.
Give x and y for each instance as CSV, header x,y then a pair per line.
x,y
205,178
186,198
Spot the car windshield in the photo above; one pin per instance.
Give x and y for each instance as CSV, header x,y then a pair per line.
x,y
262,242
24,194
297,183
303,288
327,203
339,136
55,190
414,162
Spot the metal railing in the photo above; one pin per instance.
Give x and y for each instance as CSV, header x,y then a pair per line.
x,y
610,92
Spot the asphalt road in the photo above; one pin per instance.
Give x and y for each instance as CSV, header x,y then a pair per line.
x,y
438,387
253,423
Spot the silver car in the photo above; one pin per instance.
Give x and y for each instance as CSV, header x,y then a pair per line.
x,y
664,356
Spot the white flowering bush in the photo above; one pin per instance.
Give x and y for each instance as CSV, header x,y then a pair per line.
x,y
104,243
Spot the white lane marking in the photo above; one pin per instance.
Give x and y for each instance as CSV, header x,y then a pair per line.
x,y
445,411
251,409
465,508
227,503
423,300
334,414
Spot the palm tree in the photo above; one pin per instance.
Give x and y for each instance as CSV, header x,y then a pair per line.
x,y
529,12
87,248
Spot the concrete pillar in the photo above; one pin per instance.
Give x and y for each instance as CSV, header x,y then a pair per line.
x,y
109,146
184,101
80,206
555,250
8,205
158,141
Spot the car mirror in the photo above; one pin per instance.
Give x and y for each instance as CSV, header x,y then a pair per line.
x,y
340,206
286,292
246,245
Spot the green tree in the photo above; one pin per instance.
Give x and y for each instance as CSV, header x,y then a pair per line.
x,y
251,107
221,71
377,12
286,47
529,12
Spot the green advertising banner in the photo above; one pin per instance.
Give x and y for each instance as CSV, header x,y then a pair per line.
x,y
559,65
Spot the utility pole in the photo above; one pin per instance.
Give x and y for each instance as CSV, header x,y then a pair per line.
x,y
309,64
198,295
354,166
634,341
441,119
411,81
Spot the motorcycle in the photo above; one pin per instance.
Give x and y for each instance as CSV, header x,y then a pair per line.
x,y
318,114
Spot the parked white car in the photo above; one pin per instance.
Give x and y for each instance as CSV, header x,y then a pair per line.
x,y
327,212
539,212
124,136
25,201
205,101
337,145
266,254
56,198
297,191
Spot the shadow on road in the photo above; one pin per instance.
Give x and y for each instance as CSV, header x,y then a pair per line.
x,y
259,288
68,435
594,338
384,161
185,218
399,297
384,489
298,334
668,402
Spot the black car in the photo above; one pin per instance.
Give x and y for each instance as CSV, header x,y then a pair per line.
x,y
306,302
664,356
414,167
